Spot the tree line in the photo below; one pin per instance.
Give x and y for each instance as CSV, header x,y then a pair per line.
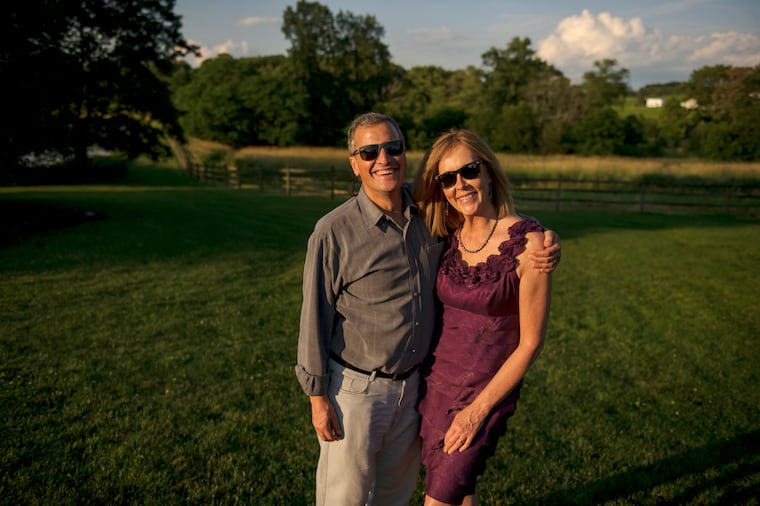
x,y
338,66
110,73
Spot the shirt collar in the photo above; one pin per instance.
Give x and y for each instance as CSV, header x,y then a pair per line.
x,y
373,214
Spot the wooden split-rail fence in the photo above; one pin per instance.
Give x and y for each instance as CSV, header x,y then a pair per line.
x,y
533,193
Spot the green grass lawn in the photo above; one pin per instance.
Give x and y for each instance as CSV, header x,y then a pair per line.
x,y
148,330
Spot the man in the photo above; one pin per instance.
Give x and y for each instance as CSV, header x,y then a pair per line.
x,y
366,325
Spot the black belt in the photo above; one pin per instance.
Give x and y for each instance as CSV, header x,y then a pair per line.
x,y
396,376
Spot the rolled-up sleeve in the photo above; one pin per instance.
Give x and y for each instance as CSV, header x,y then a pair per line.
x,y
317,315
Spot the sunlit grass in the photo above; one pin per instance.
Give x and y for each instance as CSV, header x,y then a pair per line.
x,y
146,355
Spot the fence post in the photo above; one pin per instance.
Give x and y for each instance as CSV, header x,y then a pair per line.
x,y
287,181
233,180
643,198
261,179
558,196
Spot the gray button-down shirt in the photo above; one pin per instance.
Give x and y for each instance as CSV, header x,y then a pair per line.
x,y
368,292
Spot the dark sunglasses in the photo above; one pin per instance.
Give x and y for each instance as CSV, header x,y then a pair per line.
x,y
469,171
372,151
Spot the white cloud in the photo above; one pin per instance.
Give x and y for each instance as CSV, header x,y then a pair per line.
x,y
580,40
257,20
236,49
737,49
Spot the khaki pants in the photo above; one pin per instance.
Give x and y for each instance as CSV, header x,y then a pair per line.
x,y
378,460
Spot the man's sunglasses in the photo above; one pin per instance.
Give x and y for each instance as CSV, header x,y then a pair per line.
x,y
372,151
469,171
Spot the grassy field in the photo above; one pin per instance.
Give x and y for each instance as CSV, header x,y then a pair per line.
x,y
569,166
148,331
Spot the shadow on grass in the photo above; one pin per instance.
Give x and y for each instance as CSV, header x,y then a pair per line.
x,y
728,468
21,219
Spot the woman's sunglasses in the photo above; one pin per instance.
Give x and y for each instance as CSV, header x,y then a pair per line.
x,y
449,179
372,151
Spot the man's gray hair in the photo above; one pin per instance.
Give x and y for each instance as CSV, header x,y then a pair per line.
x,y
371,119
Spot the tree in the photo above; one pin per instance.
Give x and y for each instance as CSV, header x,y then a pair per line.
x,y
511,69
704,81
211,103
427,100
641,137
519,129
362,63
601,132
340,64
676,123
729,112
607,86
88,73
241,102
310,29
510,76
555,104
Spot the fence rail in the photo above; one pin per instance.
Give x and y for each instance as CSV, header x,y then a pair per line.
x,y
290,181
543,193
557,193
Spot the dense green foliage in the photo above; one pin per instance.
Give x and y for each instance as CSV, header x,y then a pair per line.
x,y
88,73
148,335
338,66
246,102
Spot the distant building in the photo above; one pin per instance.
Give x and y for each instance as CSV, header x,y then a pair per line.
x,y
654,103
690,104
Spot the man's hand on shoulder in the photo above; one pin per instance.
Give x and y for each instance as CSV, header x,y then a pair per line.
x,y
548,258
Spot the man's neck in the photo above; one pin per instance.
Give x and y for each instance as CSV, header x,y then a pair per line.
x,y
390,203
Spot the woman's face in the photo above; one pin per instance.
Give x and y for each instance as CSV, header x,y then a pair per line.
x,y
468,196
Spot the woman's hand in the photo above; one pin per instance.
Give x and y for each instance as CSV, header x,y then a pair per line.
x,y
463,429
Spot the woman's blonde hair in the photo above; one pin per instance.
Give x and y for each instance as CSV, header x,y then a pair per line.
x,y
439,218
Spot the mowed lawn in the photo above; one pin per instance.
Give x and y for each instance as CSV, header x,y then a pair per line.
x,y
148,336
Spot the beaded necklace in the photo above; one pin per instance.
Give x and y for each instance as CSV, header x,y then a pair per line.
x,y
459,238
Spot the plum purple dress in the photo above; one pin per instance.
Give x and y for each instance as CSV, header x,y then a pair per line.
x,y
480,328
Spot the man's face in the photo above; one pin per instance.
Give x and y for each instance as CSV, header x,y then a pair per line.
x,y
385,174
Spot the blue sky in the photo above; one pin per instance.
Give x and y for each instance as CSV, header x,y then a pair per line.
x,y
656,40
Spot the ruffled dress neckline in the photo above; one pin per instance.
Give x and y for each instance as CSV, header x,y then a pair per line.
x,y
491,269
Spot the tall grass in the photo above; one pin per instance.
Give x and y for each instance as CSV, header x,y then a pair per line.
x,y
148,331
570,166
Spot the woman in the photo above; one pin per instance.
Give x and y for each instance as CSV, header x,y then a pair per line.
x,y
495,311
